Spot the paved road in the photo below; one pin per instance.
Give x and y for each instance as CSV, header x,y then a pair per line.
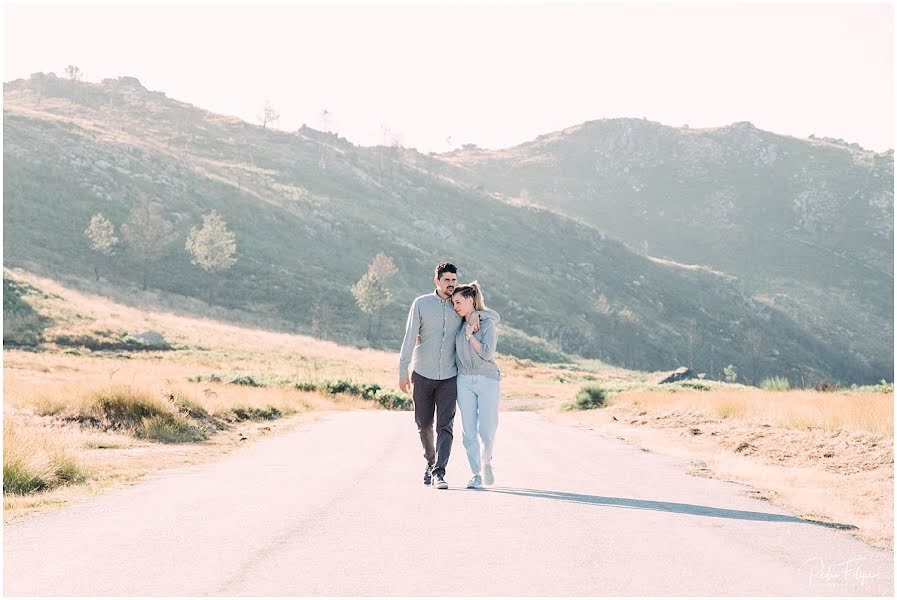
x,y
337,508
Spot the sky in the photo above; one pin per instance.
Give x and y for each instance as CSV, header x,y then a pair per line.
x,y
435,76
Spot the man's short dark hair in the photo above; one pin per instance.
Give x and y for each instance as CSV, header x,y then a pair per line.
x,y
445,267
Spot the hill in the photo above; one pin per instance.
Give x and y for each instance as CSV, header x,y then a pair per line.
x,y
806,225
310,210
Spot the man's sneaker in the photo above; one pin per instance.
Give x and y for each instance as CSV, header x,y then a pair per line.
x,y
428,476
475,483
439,482
488,475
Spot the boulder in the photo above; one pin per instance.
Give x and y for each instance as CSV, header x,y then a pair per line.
x,y
151,338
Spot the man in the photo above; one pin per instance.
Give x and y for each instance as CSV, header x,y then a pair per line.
x,y
433,321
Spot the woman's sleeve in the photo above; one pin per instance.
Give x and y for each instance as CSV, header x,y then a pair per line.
x,y
490,337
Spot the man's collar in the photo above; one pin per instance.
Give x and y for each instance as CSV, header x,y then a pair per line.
x,y
441,299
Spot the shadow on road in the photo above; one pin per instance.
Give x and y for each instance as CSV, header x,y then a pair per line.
x,y
674,507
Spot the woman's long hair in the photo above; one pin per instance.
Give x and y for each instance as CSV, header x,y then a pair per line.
x,y
472,290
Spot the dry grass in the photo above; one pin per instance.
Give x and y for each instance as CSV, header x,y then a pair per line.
x,y
795,409
825,455
34,463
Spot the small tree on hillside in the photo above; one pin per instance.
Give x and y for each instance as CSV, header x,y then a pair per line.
x,y
101,235
602,305
268,114
383,266
147,233
371,293
73,73
212,246
730,373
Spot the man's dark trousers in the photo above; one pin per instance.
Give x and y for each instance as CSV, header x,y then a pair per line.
x,y
439,396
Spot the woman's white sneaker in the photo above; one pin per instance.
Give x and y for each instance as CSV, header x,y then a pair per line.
x,y
475,483
488,475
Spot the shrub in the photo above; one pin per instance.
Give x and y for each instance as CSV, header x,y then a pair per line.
x,y
824,385
256,414
775,384
369,390
306,386
587,398
342,386
695,385
246,380
392,400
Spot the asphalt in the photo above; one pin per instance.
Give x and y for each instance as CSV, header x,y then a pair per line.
x,y
337,507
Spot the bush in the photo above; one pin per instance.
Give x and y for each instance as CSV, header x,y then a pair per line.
x,y
775,384
369,391
246,380
695,385
256,414
342,386
824,385
587,398
306,386
392,400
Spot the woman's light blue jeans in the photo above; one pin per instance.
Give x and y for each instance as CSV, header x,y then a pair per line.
x,y
478,398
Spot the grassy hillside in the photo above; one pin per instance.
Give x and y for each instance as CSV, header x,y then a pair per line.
x,y
310,210
806,225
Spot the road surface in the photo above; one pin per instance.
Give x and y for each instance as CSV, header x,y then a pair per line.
x,y
337,507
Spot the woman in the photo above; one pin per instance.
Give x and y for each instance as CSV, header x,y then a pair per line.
x,y
478,382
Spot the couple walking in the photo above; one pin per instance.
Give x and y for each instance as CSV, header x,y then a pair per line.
x,y
449,344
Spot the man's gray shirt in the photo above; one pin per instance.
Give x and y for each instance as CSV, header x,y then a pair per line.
x,y
437,323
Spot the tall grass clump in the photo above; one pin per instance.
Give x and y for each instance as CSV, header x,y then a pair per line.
x,y
121,407
587,398
170,429
882,387
163,419
32,463
775,384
